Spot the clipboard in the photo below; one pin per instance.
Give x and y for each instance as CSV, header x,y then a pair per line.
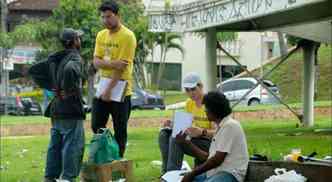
x,y
118,91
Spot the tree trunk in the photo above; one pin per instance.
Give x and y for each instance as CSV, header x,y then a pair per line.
x,y
317,73
163,50
4,73
162,60
144,75
152,74
4,12
91,77
282,44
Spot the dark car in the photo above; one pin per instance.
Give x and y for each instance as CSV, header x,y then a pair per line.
x,y
17,105
141,99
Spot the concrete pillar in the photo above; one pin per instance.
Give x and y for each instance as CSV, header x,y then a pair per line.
x,y
211,59
309,83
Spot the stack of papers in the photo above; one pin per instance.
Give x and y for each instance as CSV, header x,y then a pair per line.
x,y
174,176
182,121
117,93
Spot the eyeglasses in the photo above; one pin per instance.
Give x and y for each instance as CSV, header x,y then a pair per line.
x,y
190,89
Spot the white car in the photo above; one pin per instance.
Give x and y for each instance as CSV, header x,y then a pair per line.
x,y
234,89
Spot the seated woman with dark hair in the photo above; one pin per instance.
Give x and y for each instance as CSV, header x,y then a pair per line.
x,y
228,157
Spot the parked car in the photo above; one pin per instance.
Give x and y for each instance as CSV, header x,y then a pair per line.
x,y
141,99
234,89
17,105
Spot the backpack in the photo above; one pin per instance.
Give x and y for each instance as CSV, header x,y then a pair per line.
x,y
41,74
44,73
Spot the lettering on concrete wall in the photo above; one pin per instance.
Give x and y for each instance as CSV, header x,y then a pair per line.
x,y
200,15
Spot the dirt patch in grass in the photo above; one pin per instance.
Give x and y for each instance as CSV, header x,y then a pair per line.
x,y
277,114
43,129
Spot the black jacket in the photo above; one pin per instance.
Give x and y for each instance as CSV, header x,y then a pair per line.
x,y
62,73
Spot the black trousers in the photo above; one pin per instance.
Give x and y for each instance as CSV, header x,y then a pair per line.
x,y
120,113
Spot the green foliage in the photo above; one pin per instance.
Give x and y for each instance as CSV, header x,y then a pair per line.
x,y
226,36
293,40
289,76
77,14
21,34
6,41
221,36
167,41
9,39
84,15
132,16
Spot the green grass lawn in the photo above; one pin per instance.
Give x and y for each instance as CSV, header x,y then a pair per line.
x,y
23,158
12,120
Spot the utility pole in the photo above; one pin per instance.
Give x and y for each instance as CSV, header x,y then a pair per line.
x,y
3,71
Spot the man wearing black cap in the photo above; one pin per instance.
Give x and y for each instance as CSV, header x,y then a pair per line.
x,y
62,74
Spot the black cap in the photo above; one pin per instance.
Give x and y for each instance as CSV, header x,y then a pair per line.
x,y
69,34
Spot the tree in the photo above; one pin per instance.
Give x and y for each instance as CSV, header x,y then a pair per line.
x,y
226,36
4,38
84,15
167,41
132,15
282,44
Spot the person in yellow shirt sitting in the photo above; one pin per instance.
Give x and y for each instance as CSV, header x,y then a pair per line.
x,y
171,152
114,58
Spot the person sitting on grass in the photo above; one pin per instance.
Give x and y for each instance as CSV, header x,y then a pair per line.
x,y
228,157
171,152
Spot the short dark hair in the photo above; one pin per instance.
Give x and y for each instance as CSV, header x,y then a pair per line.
x,y
217,103
109,5
68,44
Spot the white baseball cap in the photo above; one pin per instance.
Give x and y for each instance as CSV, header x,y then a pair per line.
x,y
191,80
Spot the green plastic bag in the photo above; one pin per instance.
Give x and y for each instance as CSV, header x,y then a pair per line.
x,y
103,148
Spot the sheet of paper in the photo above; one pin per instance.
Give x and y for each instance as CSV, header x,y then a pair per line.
x,y
174,176
117,91
182,120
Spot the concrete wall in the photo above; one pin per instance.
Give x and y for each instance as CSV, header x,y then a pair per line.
x,y
251,50
195,55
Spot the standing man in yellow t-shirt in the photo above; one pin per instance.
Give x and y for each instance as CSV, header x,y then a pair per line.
x,y
114,57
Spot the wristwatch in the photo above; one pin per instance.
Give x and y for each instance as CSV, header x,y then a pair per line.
x,y
204,132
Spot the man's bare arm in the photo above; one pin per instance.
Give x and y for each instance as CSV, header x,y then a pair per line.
x,y
117,65
211,163
115,78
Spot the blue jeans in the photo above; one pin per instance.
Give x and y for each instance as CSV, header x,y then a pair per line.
x,y
65,150
219,177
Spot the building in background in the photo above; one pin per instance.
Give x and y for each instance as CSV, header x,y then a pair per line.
x,y
252,49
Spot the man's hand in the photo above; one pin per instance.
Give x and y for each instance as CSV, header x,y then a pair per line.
x,y
188,177
181,138
106,95
194,132
120,65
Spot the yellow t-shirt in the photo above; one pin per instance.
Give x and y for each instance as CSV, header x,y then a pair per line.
x,y
120,45
199,116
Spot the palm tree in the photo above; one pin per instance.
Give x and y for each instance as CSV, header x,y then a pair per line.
x,y
282,44
167,41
